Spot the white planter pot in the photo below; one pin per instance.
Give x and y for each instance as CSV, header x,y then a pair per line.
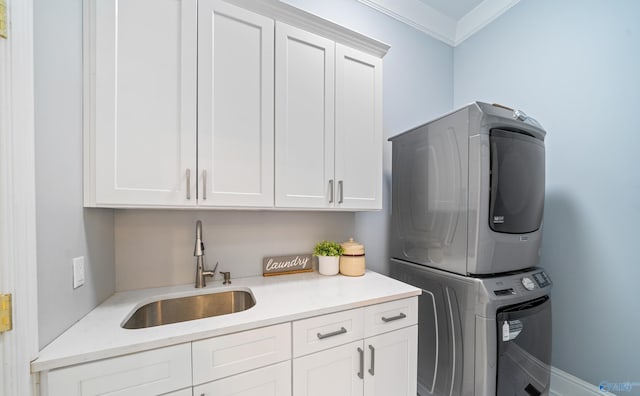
x,y
328,265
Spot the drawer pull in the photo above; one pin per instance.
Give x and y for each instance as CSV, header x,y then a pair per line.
x,y
333,333
361,372
330,191
204,185
391,319
373,360
188,183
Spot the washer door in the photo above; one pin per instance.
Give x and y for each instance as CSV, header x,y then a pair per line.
x,y
524,348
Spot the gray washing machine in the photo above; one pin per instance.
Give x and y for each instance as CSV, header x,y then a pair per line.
x,y
481,335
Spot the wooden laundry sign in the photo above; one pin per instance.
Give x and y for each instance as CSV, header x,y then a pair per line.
x,y
292,264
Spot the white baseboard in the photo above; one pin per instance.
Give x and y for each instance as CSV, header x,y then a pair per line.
x,y
565,384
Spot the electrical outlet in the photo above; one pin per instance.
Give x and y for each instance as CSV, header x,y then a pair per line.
x,y
78,272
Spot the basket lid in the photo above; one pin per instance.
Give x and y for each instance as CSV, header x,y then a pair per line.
x,y
352,248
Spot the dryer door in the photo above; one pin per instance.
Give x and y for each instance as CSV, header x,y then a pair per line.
x,y
516,198
524,348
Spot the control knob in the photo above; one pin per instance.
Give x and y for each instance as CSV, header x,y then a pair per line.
x,y
528,283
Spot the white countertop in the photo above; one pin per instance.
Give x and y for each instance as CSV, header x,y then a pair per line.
x,y
278,299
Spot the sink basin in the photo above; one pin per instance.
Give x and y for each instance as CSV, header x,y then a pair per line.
x,y
182,309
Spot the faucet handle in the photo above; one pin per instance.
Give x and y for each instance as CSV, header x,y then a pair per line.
x,y
227,277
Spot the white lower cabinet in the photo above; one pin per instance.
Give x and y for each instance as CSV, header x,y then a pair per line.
x,y
330,372
391,363
369,351
182,392
383,364
152,372
272,380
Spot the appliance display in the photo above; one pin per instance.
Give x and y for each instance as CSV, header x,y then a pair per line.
x,y
481,336
468,191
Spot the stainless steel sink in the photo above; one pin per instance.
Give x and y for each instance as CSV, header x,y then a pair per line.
x,y
182,309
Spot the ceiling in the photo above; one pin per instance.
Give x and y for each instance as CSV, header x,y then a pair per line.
x,y
454,9
451,21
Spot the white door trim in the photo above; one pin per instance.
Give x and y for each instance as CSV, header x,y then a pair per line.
x,y
18,268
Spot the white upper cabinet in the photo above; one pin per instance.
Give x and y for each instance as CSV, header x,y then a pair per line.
x,y
358,159
328,123
142,104
237,103
304,118
235,106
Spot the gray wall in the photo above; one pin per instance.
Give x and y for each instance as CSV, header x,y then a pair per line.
x,y
155,248
64,229
574,65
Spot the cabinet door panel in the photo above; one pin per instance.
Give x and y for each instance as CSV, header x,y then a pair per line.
x,y
268,381
219,357
304,118
235,106
330,372
358,129
143,108
394,363
152,372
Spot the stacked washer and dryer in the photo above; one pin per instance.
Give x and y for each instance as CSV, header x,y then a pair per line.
x,y
467,206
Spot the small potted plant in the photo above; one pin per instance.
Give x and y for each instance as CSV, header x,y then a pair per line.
x,y
328,253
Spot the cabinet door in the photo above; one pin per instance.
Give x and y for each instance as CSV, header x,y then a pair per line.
x,y
142,105
235,106
358,129
332,372
146,373
230,354
267,381
304,119
184,392
391,363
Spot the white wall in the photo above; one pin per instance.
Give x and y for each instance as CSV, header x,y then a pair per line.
x,y
573,65
64,229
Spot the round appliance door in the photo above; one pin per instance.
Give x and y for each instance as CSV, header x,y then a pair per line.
x,y
524,348
516,198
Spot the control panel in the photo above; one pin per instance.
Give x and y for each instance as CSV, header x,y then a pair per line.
x,y
519,284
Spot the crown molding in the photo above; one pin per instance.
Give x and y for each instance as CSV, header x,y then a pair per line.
x,y
485,13
419,16
438,25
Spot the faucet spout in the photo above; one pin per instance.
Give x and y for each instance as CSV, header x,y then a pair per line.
x,y
199,248
198,251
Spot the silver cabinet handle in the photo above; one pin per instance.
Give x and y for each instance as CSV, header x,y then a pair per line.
x,y
333,333
361,372
341,189
204,184
373,360
188,183
391,319
330,191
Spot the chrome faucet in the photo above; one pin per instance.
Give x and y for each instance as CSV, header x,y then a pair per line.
x,y
198,251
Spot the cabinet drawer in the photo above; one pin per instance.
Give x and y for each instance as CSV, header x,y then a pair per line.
x,y
322,332
390,316
234,353
151,372
272,380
